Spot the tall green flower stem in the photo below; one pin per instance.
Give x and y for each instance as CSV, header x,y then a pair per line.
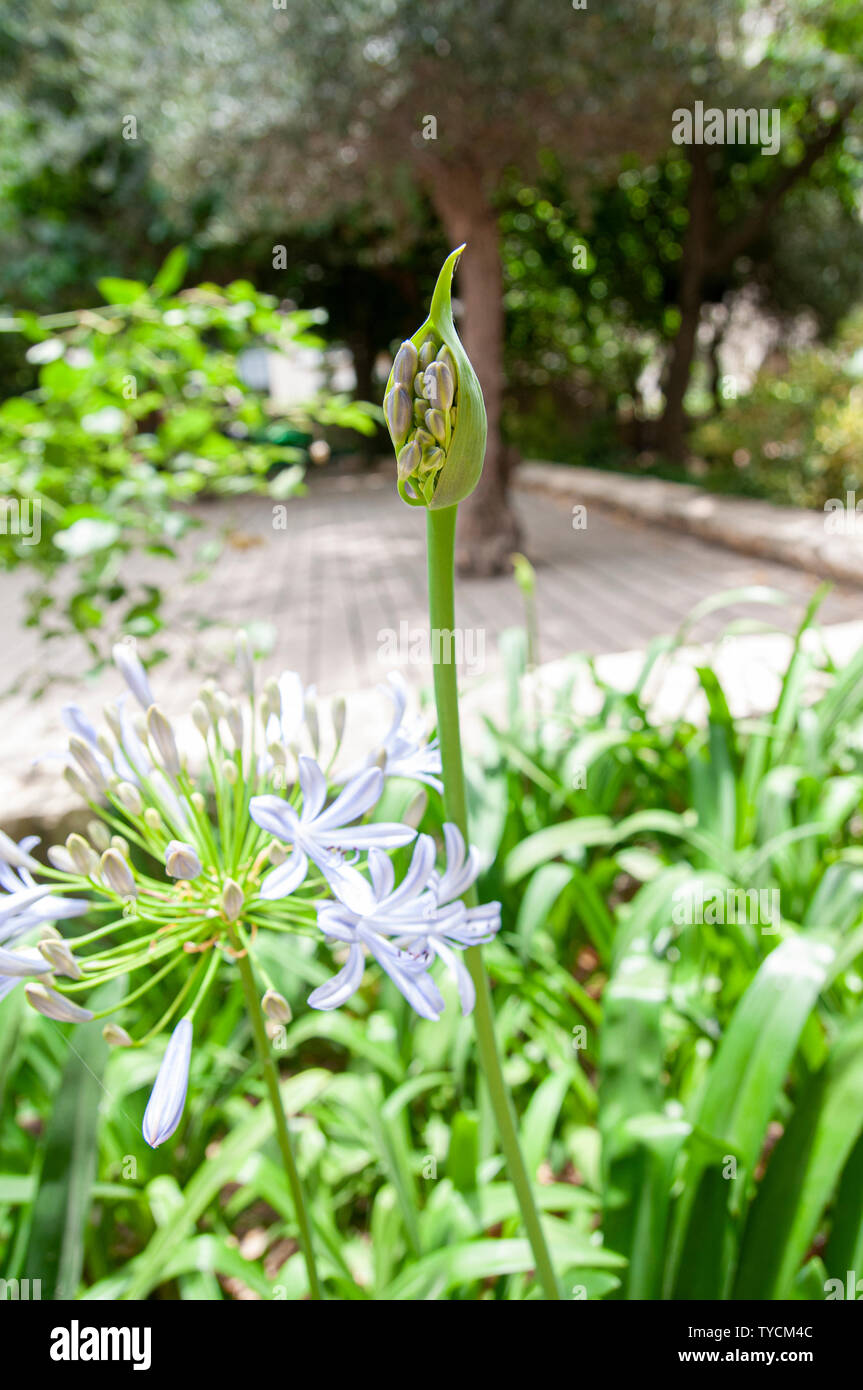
x,y
441,576
271,1077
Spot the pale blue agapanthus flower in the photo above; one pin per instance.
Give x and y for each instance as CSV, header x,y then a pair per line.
x,y
286,726
406,926
404,751
168,1096
131,668
320,834
24,906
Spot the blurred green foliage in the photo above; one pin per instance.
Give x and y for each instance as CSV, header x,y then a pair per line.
x,y
689,1092
139,409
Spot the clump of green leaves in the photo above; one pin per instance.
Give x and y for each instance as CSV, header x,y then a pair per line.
x,y
140,408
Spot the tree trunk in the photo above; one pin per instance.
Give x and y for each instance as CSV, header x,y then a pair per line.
x,y
671,433
702,260
488,529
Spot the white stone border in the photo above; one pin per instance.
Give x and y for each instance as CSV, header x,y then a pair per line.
x,y
790,535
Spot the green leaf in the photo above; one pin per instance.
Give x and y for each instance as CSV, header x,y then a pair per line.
x,y
146,1271
437,1274
463,1155
55,1251
172,272
803,1172
742,1091
117,291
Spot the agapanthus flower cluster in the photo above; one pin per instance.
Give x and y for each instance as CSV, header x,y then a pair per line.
x,y
188,857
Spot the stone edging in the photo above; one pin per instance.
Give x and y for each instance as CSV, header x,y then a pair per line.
x,y
788,534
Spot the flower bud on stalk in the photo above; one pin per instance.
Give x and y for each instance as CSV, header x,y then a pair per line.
x,y
162,734
234,719
181,860
87,761
115,1036
117,874
60,958
99,837
200,718
276,1007
130,798
52,1005
168,1096
339,714
83,856
61,859
233,899
434,408
77,783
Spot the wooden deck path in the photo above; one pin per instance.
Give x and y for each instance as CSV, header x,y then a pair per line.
x,y
343,588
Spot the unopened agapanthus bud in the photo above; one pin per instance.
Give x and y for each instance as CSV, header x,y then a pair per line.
x,y
311,709
199,802
87,761
83,856
409,458
339,714
208,699
162,735
200,718
436,425
438,409
121,845
432,460
276,1007
115,1036
77,783
405,365
152,819
99,837
168,1096
52,1005
439,385
277,854
60,958
273,697
129,797
234,717
112,719
61,859
246,662
399,413
129,665
229,772
117,874
233,899
181,860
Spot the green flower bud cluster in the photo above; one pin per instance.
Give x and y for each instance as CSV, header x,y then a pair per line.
x,y
421,412
434,408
